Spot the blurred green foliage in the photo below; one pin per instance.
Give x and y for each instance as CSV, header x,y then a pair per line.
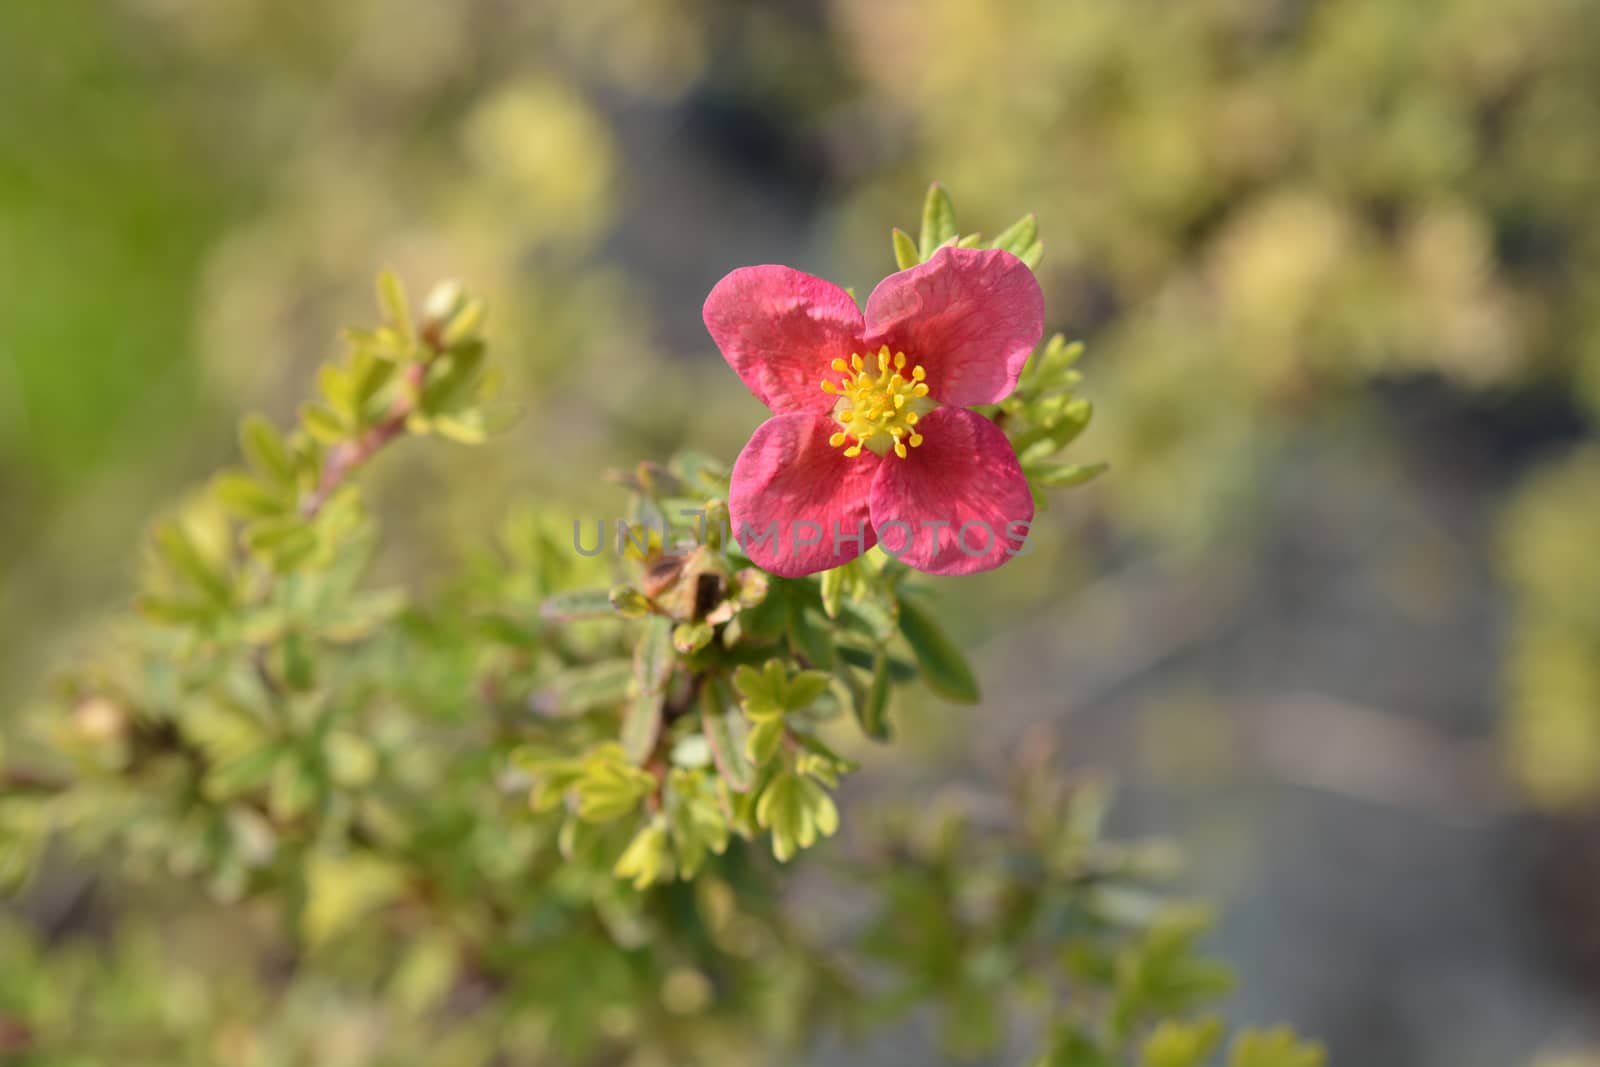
x,y
1260,211
525,819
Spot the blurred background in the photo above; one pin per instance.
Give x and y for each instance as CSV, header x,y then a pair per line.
x,y
1333,618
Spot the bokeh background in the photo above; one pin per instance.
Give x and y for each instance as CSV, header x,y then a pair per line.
x,y
1333,619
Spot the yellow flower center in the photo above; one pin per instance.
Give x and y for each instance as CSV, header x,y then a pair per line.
x,y
878,411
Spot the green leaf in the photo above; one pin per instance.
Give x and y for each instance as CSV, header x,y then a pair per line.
x,y
647,859
805,689
833,583
266,450
1277,1047
580,690
764,740
691,637
782,810
578,604
938,221
727,732
608,787
246,498
762,691
1181,1043
392,299
652,666
1019,236
186,561
293,789
340,890
810,635
944,668
1064,475
905,250
874,712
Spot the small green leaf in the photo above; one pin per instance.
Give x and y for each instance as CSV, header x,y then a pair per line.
x,y
764,740
762,691
938,221
339,890
578,604
810,636
691,637
647,859
1277,1047
580,690
727,732
186,561
629,602
944,667
833,583
1064,475
392,299
1181,1043
905,250
805,689
652,666
653,658
1019,236
266,450
246,498
874,711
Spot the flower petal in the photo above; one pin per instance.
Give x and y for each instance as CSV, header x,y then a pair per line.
x,y
970,316
957,504
779,329
798,504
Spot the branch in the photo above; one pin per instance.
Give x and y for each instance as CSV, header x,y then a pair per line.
x,y
348,457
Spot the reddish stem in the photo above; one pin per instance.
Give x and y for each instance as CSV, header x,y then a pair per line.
x,y
348,457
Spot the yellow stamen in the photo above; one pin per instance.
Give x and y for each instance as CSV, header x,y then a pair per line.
x,y
877,411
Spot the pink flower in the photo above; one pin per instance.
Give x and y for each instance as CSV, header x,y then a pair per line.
x,y
870,440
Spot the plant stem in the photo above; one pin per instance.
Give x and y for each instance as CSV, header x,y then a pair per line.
x,y
349,456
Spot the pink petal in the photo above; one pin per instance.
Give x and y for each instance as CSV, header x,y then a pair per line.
x,y
779,329
957,504
970,316
799,505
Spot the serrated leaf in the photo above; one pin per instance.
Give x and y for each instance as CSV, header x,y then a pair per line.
x,y
944,667
938,221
